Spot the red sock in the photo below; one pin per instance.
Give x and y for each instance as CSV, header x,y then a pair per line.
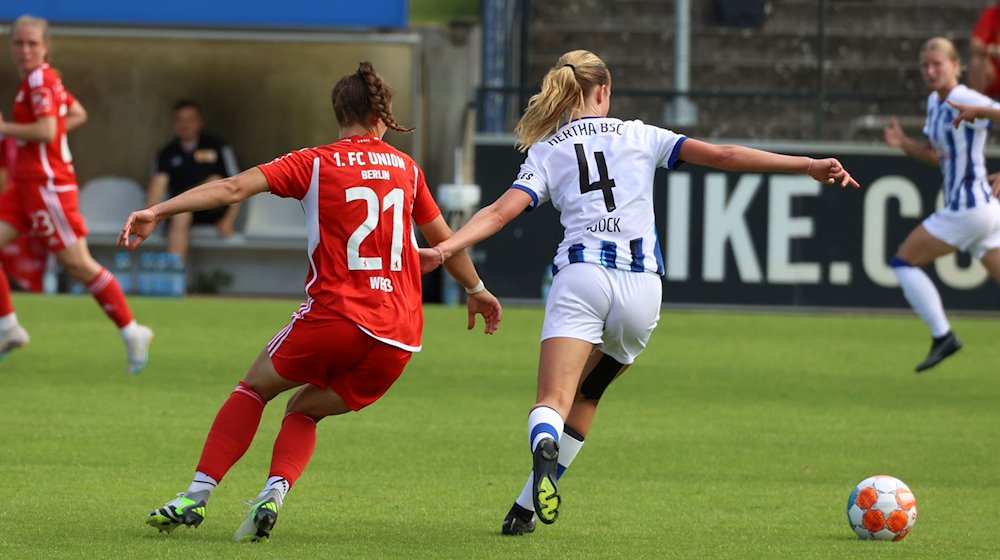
x,y
231,433
110,297
6,307
294,446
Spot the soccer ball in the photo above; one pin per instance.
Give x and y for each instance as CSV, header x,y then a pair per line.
x,y
881,507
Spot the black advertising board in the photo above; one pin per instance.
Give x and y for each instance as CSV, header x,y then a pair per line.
x,y
756,239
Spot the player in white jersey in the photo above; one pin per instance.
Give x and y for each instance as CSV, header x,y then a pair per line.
x,y
969,219
606,290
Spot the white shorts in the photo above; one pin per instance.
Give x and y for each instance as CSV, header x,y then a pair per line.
x,y
973,230
616,309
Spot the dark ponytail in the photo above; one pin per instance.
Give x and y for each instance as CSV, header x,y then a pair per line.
x,y
359,96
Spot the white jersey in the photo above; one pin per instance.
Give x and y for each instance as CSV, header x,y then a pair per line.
x,y
960,150
598,173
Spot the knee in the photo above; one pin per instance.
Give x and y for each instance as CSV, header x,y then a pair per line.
x,y
316,404
310,410
600,378
81,270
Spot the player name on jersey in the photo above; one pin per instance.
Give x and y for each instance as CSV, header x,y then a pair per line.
x,y
586,128
355,159
358,159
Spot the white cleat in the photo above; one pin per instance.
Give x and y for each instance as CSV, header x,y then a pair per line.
x,y
11,338
260,520
137,346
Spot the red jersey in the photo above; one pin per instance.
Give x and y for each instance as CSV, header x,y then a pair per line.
x,y
41,94
361,197
7,151
987,28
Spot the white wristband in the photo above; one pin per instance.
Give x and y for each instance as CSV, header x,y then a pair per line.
x,y
476,289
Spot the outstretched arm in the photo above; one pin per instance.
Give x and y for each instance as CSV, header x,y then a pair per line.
x,y
920,151
486,222
741,158
970,113
480,299
208,195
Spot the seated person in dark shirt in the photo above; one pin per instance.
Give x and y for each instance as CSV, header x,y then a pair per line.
x,y
190,159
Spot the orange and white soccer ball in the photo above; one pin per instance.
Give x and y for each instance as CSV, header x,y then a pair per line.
x,y
882,507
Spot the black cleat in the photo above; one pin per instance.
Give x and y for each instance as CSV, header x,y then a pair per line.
x,y
518,521
185,509
941,348
546,491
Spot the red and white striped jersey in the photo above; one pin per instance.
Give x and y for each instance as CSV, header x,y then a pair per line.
x,y
42,94
361,197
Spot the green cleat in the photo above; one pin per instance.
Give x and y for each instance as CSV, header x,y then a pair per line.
x,y
263,514
185,509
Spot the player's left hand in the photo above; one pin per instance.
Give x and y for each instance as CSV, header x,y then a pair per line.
x,y
994,179
487,305
968,113
140,224
830,171
429,260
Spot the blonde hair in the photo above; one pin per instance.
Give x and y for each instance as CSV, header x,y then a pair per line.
x,y
563,96
32,21
945,47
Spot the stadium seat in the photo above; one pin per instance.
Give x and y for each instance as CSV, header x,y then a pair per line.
x,y
272,217
106,201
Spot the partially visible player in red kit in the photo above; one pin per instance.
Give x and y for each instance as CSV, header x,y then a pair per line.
x,y
43,195
362,318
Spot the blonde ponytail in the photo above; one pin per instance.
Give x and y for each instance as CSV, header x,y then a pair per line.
x,y
563,96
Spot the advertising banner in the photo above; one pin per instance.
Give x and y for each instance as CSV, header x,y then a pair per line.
x,y
757,239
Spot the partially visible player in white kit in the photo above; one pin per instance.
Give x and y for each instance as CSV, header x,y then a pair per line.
x,y
969,220
606,291
43,196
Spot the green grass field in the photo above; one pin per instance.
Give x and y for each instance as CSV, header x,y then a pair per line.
x,y
736,435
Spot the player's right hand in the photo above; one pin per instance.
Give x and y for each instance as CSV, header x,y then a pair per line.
x,y
831,172
968,113
139,224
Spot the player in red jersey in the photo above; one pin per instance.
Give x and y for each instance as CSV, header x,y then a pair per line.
x,y
43,197
362,318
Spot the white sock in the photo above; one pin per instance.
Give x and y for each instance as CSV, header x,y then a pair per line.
x,y
275,483
543,422
128,329
9,320
569,445
923,297
201,483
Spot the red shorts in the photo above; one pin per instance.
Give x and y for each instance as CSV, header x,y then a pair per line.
x,y
52,213
337,354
